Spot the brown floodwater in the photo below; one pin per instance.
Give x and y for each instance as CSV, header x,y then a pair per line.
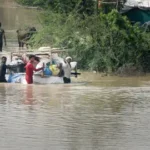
x,y
92,113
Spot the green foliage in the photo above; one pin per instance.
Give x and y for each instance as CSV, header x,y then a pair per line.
x,y
104,43
63,6
107,6
40,3
83,6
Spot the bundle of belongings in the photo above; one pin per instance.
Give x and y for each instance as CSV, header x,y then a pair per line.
x,y
53,67
17,66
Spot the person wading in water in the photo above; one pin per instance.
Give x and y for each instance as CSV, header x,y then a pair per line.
x,y
67,70
30,68
3,68
2,36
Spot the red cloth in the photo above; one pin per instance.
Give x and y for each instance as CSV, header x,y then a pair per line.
x,y
29,72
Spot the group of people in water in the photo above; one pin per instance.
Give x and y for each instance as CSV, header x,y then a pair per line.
x,y
30,68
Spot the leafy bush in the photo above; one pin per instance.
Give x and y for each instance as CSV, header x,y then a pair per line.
x,y
104,43
63,6
40,3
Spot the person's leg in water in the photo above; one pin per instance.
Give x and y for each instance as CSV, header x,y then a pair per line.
x,y
29,80
67,80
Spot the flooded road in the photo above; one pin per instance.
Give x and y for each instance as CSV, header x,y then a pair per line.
x,y
77,117
12,18
97,113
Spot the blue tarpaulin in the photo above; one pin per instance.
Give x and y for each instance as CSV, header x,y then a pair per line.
x,y
14,78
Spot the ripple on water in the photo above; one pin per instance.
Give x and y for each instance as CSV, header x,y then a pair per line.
x,y
74,117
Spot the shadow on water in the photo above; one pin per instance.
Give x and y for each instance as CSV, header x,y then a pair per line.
x,y
29,97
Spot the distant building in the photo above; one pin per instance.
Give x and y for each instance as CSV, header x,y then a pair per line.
x,y
138,3
137,10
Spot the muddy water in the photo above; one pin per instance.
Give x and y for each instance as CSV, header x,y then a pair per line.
x,y
94,113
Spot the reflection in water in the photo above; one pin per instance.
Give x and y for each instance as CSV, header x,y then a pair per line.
x,y
2,94
29,95
79,117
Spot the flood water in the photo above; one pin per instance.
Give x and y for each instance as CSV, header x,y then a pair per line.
x,y
94,113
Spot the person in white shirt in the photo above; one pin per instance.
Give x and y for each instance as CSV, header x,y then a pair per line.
x,y
67,70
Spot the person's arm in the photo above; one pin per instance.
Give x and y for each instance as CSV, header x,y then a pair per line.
x,y
37,69
8,66
4,37
34,69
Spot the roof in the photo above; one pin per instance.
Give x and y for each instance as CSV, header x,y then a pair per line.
x,y
138,3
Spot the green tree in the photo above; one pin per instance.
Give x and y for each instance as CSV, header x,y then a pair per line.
x,y
39,3
63,6
103,42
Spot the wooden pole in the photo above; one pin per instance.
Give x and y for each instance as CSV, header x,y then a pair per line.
x,y
108,2
113,2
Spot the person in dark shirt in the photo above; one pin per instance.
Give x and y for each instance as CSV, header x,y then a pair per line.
x,y
2,36
3,68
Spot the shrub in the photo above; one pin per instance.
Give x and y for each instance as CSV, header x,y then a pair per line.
x,y
103,42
